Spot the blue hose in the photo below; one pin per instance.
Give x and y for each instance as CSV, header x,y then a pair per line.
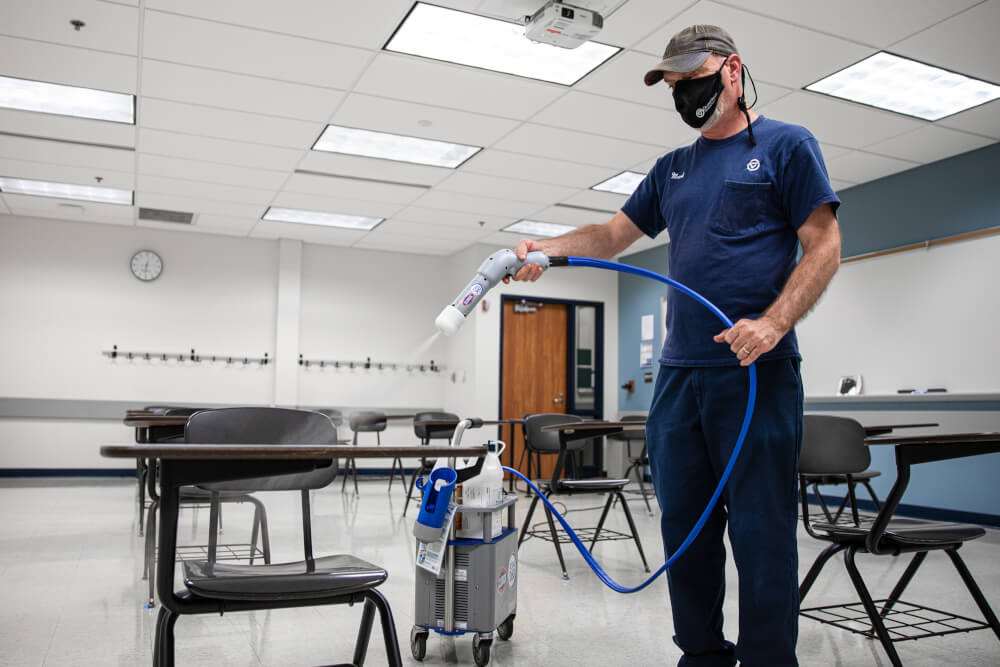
x,y
699,524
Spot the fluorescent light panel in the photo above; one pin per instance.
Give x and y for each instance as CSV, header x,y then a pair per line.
x,y
468,39
624,183
907,87
534,228
367,143
356,222
22,186
55,98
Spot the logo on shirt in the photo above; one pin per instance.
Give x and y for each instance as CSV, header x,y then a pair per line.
x,y
675,176
753,165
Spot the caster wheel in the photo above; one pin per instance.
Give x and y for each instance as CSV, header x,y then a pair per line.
x,y
506,629
481,651
418,643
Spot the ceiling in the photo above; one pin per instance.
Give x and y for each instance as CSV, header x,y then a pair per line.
x,y
232,94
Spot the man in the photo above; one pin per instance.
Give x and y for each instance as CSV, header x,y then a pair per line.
x,y
736,203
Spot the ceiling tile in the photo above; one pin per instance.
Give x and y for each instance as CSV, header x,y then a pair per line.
x,y
198,206
453,201
410,244
438,217
222,151
199,190
538,169
455,87
646,243
831,151
839,185
336,164
345,206
3,206
224,224
766,44
607,201
331,186
984,120
59,152
929,144
635,19
551,142
565,215
68,65
875,23
616,118
861,167
68,209
520,190
81,130
268,229
420,120
838,122
230,48
341,21
505,239
109,27
213,88
226,124
58,173
450,233
621,77
210,172
965,43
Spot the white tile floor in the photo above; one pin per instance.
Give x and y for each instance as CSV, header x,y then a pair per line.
x,y
71,594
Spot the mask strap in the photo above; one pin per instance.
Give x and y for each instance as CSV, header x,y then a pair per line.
x,y
742,103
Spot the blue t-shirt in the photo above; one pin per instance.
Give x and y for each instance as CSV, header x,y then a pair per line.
x,y
732,210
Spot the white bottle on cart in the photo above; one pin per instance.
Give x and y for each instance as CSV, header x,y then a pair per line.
x,y
483,490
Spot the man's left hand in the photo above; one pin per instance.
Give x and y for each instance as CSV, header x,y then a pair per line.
x,y
749,339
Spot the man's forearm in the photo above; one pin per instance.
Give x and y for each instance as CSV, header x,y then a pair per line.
x,y
804,287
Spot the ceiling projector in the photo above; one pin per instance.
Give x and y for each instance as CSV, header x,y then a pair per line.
x,y
560,24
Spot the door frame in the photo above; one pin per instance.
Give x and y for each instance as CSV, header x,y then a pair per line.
x,y
598,411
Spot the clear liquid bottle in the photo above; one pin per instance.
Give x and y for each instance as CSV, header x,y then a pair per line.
x,y
484,490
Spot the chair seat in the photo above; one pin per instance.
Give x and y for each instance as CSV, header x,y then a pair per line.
x,y
908,532
595,485
191,494
332,575
842,479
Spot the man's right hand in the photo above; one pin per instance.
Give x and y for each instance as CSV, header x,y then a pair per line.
x,y
529,272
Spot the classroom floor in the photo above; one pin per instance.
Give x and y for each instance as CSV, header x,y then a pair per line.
x,y
70,567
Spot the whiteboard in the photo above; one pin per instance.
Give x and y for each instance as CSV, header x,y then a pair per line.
x,y
916,319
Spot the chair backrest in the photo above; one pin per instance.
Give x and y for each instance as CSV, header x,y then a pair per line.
x,y
367,421
266,426
425,433
547,442
631,435
335,416
833,446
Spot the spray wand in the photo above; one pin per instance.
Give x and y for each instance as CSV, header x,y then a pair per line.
x,y
506,263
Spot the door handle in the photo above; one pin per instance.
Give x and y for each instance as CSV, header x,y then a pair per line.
x,y
560,399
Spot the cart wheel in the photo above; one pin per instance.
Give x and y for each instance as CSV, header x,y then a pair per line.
x,y
506,629
481,650
418,643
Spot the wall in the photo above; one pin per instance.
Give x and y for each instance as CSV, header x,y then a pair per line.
x,y
916,319
639,296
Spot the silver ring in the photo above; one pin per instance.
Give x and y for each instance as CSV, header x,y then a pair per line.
x,y
746,351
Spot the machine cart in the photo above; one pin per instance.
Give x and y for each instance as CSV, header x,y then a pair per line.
x,y
476,589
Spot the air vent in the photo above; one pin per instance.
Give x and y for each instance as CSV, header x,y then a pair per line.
x,y
161,215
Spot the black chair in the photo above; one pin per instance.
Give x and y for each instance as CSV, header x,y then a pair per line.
x,y
637,458
370,421
426,433
549,442
223,587
864,478
836,446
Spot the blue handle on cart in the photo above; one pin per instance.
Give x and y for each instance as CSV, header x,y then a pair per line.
x,y
434,507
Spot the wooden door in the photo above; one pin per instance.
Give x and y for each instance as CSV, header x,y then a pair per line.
x,y
534,368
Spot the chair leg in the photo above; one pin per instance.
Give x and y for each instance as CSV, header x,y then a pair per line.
x,y
612,497
254,533
555,541
871,492
822,504
364,633
354,474
140,481
527,521
151,551
163,645
977,594
635,533
817,565
388,628
642,489
413,479
213,527
866,599
904,581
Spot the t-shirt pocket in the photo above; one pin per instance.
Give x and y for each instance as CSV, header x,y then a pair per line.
x,y
743,209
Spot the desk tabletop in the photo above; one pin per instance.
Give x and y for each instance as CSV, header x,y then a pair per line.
x,y
936,439
574,427
146,421
256,451
882,429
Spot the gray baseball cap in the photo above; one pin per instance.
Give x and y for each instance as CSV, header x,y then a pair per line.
x,y
689,48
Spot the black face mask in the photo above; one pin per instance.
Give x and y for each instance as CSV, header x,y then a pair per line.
x,y
695,99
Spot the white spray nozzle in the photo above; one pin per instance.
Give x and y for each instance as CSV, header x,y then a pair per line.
x,y
450,319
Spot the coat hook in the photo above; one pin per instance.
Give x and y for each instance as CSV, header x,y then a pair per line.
x,y
114,351
229,360
266,360
322,364
192,355
245,361
146,357
163,357
368,362
301,361
130,356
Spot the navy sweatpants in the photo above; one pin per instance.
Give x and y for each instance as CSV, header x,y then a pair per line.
x,y
693,423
